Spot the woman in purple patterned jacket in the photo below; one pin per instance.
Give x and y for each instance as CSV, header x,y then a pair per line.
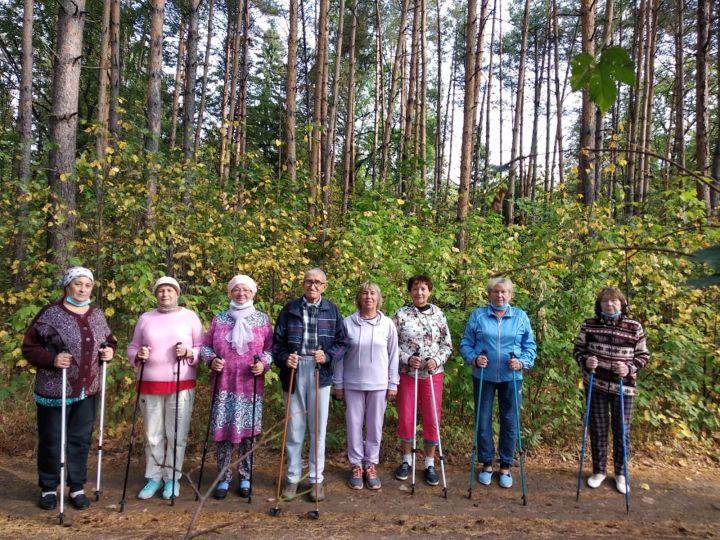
x,y
67,334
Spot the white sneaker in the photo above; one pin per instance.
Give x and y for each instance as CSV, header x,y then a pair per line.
x,y
595,480
620,484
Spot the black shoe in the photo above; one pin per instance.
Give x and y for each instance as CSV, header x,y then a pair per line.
x,y
220,494
80,502
431,477
48,501
402,472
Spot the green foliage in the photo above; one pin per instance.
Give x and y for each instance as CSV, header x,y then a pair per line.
x,y
256,223
602,76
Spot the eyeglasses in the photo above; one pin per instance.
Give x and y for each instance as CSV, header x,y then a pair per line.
x,y
313,282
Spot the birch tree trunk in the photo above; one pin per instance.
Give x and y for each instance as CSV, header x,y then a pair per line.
x,y
63,129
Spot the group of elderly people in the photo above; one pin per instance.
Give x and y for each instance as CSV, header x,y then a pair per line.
x,y
367,358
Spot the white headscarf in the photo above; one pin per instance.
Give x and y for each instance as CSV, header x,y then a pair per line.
x,y
241,334
76,272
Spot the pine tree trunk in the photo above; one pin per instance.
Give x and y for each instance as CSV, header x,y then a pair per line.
x,y
63,129
320,99
407,168
701,99
586,159
349,146
154,102
291,92
114,113
558,98
678,153
328,166
468,125
23,158
392,94
189,93
241,142
486,165
103,81
378,95
179,69
229,124
206,66
634,110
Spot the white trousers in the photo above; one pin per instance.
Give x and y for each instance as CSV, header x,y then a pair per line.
x,y
302,416
159,417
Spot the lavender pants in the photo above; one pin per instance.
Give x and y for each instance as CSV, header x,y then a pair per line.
x,y
364,408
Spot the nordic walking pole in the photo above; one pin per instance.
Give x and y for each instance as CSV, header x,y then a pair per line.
x,y
102,423
63,444
276,510
586,422
315,514
437,427
520,446
414,446
207,432
256,359
177,411
624,440
132,433
473,457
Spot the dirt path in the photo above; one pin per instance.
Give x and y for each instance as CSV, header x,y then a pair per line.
x,y
668,503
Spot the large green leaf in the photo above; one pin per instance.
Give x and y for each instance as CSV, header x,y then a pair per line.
x,y
710,255
707,281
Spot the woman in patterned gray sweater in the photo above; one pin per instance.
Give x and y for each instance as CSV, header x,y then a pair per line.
x,y
613,347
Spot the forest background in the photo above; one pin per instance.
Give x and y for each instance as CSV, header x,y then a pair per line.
x,y
205,138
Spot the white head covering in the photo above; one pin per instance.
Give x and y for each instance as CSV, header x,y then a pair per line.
x,y
242,279
167,280
75,272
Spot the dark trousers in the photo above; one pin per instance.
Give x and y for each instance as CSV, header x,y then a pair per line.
x,y
602,403
80,419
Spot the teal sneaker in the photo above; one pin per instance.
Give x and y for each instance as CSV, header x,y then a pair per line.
x,y
505,480
168,489
150,489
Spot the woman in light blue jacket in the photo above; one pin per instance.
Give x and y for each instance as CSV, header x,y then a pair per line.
x,y
498,341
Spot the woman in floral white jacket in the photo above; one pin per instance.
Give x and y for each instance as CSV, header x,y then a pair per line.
x,y
424,345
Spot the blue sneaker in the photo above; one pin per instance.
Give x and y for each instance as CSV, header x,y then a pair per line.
x,y
168,491
150,489
505,480
485,477
244,489
221,490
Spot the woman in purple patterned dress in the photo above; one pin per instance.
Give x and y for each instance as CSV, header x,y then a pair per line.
x,y
237,348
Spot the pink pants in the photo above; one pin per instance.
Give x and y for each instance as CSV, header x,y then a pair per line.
x,y
405,405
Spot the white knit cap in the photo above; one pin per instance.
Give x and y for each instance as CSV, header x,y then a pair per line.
x,y
242,279
75,272
167,280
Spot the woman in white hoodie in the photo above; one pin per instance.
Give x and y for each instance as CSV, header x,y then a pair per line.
x,y
366,378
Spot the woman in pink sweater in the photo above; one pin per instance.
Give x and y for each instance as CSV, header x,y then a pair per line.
x,y
166,339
